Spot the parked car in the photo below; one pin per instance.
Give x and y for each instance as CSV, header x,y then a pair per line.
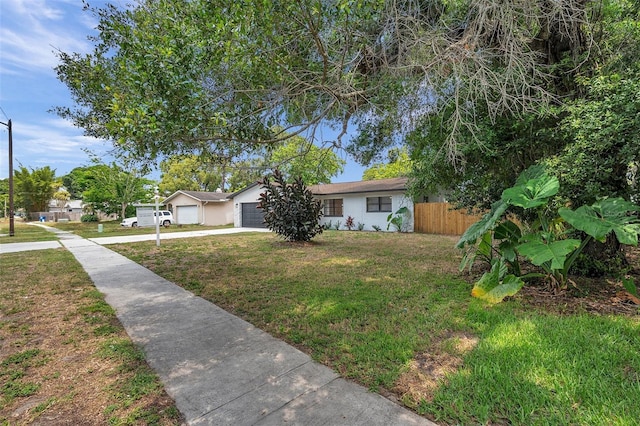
x,y
166,219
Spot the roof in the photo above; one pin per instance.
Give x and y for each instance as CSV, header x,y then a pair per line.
x,y
74,204
381,185
201,195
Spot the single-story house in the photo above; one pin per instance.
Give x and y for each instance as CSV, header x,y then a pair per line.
x,y
69,206
200,207
367,202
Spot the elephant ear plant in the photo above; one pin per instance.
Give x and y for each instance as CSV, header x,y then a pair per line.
x,y
543,240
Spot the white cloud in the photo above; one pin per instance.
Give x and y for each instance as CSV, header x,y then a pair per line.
x,y
55,143
32,30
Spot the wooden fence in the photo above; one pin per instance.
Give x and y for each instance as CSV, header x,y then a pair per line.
x,y
440,218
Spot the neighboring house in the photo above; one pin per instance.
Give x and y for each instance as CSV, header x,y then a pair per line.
x,y
367,202
198,207
70,206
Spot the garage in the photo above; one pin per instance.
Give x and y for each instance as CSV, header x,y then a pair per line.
x,y
252,216
186,215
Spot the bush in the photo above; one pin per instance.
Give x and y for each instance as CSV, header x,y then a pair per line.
x,y
89,218
289,208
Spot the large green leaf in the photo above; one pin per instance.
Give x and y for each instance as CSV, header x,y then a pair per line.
x,y
532,193
487,222
605,216
507,230
534,172
539,252
493,288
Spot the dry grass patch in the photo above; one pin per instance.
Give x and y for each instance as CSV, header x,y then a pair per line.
x,y
428,370
58,365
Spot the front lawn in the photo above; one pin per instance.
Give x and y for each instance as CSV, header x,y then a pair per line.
x,y
390,311
64,358
113,228
23,232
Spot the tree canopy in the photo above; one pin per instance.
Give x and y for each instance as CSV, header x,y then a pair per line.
x,y
109,188
398,165
300,158
478,89
189,173
34,189
173,75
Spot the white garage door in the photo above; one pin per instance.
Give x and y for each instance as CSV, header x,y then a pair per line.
x,y
187,215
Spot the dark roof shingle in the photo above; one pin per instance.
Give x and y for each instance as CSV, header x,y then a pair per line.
x,y
202,195
381,185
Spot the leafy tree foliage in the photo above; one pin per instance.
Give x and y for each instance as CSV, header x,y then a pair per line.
x,y
478,88
293,157
290,210
298,157
61,196
113,188
79,180
34,189
4,196
399,165
173,75
585,138
246,172
189,173
603,130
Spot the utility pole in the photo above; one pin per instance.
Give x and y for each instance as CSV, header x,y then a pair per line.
x,y
11,221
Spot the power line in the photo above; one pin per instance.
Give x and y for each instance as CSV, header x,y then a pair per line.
x,y
4,113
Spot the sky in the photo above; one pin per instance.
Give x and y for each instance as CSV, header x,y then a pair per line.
x,y
31,31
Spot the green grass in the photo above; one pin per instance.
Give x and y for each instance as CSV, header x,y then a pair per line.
x,y
113,229
23,232
13,371
368,304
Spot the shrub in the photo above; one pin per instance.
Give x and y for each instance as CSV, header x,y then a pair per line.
x,y
289,208
551,241
400,221
89,218
349,223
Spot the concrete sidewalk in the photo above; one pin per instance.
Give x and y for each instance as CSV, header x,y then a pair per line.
x,y
219,369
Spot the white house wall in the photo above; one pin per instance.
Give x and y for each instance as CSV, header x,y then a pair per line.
x,y
355,205
251,195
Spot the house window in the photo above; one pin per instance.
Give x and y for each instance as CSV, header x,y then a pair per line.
x,y
333,207
378,204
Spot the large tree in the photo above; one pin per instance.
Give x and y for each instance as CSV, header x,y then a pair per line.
x,y
587,137
34,189
114,187
190,173
398,165
176,76
300,158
